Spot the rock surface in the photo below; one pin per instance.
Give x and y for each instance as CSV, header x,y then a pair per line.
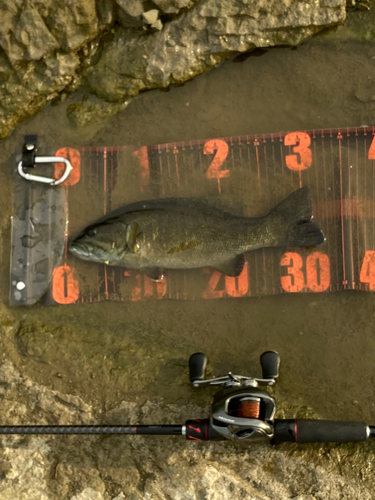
x,y
105,48
40,51
138,467
200,39
133,369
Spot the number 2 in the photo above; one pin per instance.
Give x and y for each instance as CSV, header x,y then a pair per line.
x,y
221,148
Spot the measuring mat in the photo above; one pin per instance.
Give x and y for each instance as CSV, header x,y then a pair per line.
x,y
246,175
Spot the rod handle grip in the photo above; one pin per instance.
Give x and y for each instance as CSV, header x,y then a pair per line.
x,y
319,431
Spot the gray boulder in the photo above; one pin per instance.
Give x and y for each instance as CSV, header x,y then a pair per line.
x,y
107,49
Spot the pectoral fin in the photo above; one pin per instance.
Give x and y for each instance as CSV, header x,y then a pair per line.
x,y
155,273
131,237
232,267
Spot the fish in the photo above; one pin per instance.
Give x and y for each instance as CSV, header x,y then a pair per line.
x,y
188,233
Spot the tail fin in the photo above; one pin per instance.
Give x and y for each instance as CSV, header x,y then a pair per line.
x,y
293,216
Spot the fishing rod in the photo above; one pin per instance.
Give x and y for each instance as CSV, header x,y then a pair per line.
x,y
241,410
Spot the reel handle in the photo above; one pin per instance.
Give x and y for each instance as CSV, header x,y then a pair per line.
x,y
197,366
270,363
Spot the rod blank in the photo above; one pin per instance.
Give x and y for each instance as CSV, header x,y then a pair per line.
x,y
92,429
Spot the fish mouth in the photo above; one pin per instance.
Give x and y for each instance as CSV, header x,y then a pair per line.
x,y
89,252
81,250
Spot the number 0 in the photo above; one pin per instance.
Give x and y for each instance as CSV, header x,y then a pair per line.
x,y
65,286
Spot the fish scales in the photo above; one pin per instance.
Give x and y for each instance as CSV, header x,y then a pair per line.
x,y
186,233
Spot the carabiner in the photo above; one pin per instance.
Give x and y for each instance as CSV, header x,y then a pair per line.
x,y
47,180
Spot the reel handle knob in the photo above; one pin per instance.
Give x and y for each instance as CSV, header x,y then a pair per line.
x,y
197,366
270,362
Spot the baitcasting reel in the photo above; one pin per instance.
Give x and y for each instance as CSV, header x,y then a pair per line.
x,y
240,410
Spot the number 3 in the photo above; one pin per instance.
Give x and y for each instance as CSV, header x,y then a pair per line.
x,y
301,142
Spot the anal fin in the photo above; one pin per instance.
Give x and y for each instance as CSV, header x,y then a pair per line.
x,y
232,267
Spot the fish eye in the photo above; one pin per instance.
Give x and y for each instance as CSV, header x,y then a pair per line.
x,y
91,232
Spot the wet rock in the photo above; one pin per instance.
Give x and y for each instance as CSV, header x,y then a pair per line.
x,y
23,396
138,467
46,48
93,110
30,30
365,94
174,6
32,34
74,24
39,44
132,7
359,25
58,340
150,16
158,25
204,36
88,494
